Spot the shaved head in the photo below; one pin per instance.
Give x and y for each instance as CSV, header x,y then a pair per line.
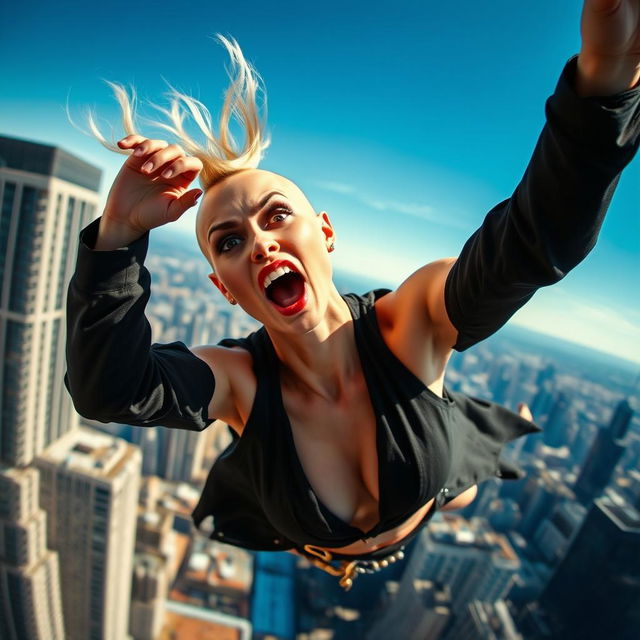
x,y
240,194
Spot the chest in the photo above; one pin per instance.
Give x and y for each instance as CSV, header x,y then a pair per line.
x,y
336,444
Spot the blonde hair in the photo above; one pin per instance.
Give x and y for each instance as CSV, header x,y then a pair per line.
x,y
220,155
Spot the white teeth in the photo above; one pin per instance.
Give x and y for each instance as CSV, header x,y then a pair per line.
x,y
275,274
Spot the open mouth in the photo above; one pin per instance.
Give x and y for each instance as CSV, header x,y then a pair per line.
x,y
284,288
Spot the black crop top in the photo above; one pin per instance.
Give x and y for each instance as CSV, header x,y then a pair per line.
x,y
424,443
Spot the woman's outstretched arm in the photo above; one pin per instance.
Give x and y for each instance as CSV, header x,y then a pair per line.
x,y
553,218
114,373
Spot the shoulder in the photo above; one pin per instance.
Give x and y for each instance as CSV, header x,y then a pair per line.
x,y
414,322
235,382
418,303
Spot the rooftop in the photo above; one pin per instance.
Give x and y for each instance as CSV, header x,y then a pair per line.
x,y
47,160
624,515
90,452
475,533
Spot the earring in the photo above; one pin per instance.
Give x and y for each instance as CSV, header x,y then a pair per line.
x,y
332,246
232,300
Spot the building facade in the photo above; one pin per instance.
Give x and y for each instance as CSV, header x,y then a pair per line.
x,y
473,560
30,600
594,592
89,488
605,453
46,196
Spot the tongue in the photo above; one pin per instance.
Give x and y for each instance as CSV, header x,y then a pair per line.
x,y
286,290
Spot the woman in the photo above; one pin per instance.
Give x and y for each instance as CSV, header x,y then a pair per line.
x,y
345,439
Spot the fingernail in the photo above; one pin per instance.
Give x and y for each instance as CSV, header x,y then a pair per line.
x,y
148,166
167,174
138,152
195,199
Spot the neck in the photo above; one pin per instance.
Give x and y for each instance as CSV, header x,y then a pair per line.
x,y
322,361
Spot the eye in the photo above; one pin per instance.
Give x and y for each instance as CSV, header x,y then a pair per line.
x,y
279,214
227,243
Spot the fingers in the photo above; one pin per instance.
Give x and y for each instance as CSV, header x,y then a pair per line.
x,y
181,204
183,165
148,149
142,147
130,141
161,158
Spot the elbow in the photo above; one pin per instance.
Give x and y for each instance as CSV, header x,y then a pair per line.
x,y
90,403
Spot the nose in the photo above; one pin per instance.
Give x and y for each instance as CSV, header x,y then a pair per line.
x,y
263,245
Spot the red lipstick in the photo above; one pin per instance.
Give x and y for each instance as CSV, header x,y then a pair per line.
x,y
301,298
269,268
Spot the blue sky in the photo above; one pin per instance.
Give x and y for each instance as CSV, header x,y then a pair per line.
x,y
406,121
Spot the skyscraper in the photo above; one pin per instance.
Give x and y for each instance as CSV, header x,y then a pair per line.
x,y
148,593
484,621
184,451
419,612
30,601
595,590
46,196
605,453
89,488
468,556
557,427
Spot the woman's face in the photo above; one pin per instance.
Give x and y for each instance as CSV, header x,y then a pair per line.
x,y
268,248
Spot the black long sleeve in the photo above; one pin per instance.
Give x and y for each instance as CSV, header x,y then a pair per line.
x,y
114,373
552,220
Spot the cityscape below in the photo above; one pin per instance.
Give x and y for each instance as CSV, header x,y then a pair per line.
x,y
96,538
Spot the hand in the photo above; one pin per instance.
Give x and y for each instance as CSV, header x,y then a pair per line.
x,y
150,190
609,60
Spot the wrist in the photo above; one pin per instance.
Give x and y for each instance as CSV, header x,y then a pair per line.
x,y
599,76
115,235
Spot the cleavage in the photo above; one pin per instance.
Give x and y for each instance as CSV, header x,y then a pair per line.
x,y
336,447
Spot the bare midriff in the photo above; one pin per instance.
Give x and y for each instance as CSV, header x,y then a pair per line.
x,y
384,539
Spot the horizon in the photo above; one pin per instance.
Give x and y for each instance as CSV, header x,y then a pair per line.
x,y
367,283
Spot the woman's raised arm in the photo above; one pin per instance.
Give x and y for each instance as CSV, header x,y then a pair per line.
x,y
553,218
114,372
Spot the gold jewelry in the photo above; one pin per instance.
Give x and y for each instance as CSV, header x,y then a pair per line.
x,y
348,569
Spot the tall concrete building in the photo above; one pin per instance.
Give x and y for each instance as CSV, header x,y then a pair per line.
x,y
557,426
184,452
30,601
148,594
553,534
46,196
421,612
89,488
543,491
485,621
468,556
594,592
605,453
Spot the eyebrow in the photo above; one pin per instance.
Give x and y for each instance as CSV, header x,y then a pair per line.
x,y
230,224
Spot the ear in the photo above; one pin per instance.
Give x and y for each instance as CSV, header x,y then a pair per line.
x,y
223,290
327,230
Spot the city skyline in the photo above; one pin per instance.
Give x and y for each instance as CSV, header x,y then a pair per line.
x,y
394,134
124,552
